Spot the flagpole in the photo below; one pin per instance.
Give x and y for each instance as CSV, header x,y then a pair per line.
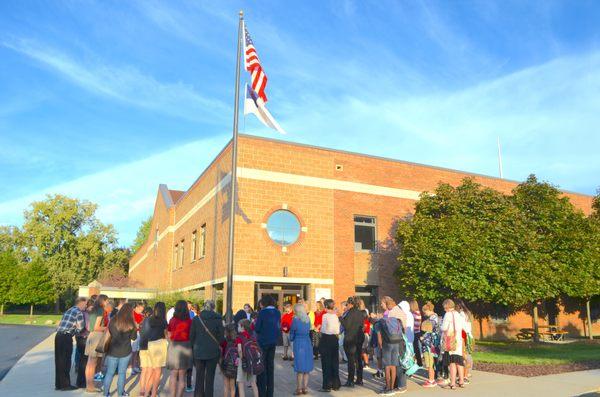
x,y
500,160
232,195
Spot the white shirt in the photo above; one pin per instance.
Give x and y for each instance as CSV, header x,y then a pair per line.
x,y
170,313
453,321
330,324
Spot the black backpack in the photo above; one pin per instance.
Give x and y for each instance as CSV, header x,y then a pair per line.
x,y
392,331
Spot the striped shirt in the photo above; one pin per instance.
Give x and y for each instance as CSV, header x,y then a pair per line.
x,y
72,322
417,316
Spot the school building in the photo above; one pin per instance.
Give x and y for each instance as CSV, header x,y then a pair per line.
x,y
311,222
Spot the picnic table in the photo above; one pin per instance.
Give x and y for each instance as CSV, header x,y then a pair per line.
x,y
549,333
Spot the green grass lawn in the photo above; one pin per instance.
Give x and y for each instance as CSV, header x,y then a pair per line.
x,y
37,319
536,354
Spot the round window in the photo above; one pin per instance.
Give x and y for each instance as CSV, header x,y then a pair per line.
x,y
283,227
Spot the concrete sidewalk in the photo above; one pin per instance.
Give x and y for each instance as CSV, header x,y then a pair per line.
x,y
33,375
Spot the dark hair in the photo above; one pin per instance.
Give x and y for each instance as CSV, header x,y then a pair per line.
x,y
147,311
139,303
329,304
350,301
99,301
267,300
181,310
230,332
124,319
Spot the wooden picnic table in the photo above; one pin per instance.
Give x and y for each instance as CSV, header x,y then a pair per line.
x,y
548,333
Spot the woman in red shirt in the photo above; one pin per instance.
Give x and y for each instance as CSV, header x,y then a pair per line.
x,y
179,353
317,328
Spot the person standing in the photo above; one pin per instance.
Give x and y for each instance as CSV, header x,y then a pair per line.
x,y
179,352
123,330
286,323
153,348
267,328
71,324
452,327
245,378
138,317
80,342
206,338
97,326
329,347
244,313
353,324
303,350
414,309
317,328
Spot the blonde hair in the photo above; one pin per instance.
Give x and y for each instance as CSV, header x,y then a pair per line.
x,y
414,305
448,304
320,306
300,313
389,302
428,307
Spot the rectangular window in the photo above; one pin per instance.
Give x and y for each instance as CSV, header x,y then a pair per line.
x,y
175,257
203,241
181,253
194,245
364,233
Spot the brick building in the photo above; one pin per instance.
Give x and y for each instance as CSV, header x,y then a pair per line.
x,y
310,222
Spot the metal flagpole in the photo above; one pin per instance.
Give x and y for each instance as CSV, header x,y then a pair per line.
x,y
500,160
232,196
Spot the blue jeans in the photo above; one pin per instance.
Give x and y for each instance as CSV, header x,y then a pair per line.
x,y
400,377
118,364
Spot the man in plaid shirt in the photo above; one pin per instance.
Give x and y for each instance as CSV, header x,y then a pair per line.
x,y
71,324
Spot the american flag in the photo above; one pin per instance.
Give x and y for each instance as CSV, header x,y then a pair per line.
x,y
252,63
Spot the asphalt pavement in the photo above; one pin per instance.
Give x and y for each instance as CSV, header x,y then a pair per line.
x,y
17,340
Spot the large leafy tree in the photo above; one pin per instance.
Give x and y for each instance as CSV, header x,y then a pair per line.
x,y
33,285
9,268
70,241
460,242
142,234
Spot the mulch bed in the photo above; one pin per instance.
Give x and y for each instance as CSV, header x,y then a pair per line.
x,y
535,370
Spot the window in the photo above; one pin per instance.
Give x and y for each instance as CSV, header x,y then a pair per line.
x,y
364,233
203,241
194,245
176,257
181,253
283,227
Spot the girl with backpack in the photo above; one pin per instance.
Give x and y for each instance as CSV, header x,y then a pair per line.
x,y
248,353
230,361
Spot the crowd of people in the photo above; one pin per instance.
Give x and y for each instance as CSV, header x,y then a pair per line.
x,y
191,343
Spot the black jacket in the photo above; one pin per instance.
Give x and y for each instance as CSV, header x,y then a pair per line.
x,y
203,345
353,323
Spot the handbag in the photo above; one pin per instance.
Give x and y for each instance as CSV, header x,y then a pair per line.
x,y
104,343
212,337
450,338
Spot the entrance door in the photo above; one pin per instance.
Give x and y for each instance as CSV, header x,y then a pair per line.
x,y
281,293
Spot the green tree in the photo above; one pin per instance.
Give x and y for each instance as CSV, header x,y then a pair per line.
x,y
33,286
142,234
552,222
70,241
8,277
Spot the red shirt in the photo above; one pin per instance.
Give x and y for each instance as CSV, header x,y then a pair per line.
x,y
138,318
180,329
239,340
319,318
367,326
286,321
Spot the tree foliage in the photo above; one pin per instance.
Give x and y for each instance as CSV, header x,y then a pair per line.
x,y
33,285
142,234
9,268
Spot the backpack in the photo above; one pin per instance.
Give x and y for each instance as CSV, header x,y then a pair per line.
x,y
407,357
392,330
253,362
230,358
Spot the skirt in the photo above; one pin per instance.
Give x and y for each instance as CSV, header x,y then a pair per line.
x,y
92,342
156,354
179,355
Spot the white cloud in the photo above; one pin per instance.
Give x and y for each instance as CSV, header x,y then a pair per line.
x,y
126,194
125,84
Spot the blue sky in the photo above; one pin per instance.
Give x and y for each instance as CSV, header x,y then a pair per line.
x,y
104,100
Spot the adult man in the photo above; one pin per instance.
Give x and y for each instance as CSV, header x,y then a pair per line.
x,y
268,328
71,324
353,323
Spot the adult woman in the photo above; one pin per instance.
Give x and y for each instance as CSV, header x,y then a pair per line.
x,y
452,327
179,352
364,354
96,328
122,330
329,347
153,349
303,355
206,337
388,329
353,323
316,336
467,336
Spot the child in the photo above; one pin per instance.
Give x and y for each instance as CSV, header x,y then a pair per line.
x,y
244,378
230,360
375,345
286,323
429,349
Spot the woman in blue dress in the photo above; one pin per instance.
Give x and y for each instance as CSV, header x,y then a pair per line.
x,y
303,351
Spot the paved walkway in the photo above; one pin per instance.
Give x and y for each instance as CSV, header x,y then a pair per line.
x,y
33,375
16,341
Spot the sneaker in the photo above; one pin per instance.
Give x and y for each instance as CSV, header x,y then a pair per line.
x,y
400,390
429,383
466,381
98,377
443,382
189,389
125,394
386,392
